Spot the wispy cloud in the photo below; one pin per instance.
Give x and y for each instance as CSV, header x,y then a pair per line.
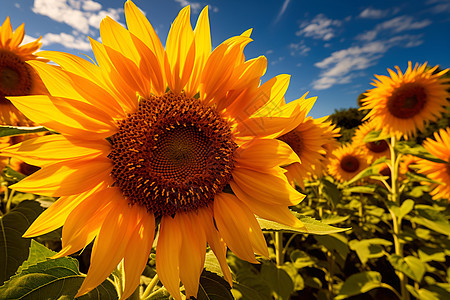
x,y
371,13
342,66
395,25
282,10
321,28
299,49
67,40
81,15
439,6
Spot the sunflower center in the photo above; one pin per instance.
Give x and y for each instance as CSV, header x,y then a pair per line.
x,y
15,76
407,101
349,163
173,154
377,146
294,140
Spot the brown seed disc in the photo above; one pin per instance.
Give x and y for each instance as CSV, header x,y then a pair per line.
x,y
174,154
294,140
407,101
349,163
15,76
377,146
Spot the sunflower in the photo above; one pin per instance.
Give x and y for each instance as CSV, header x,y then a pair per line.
x,y
406,163
440,172
17,78
307,140
404,103
181,136
348,162
373,150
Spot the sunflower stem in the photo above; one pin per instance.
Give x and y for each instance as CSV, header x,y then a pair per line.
x,y
279,248
9,201
150,287
396,222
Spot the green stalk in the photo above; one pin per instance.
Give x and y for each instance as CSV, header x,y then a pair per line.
x,y
397,226
150,287
279,248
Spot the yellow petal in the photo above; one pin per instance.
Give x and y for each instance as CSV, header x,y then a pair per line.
x,y
167,255
238,227
180,50
139,26
65,84
263,154
67,116
6,32
138,250
192,256
270,187
114,234
53,148
202,37
18,36
66,178
215,241
272,123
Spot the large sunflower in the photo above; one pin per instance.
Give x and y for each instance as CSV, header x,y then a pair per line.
x,y
373,150
17,78
404,103
177,136
440,147
308,140
348,162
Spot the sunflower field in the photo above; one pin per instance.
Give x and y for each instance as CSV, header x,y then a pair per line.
x,y
173,172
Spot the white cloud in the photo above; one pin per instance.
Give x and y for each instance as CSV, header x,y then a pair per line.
x,y
371,13
78,14
299,49
67,40
439,6
28,39
282,10
17,5
342,65
320,28
395,25
279,59
268,52
195,6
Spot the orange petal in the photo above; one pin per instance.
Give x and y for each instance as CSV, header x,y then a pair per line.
x,y
115,233
263,154
53,148
238,227
192,257
168,255
66,178
270,187
138,250
180,50
18,36
66,116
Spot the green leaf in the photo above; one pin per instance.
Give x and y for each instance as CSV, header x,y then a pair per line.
x,y
278,280
14,248
330,191
17,130
54,278
334,219
417,177
427,254
312,226
212,264
411,266
371,170
375,135
417,150
12,175
335,242
403,210
434,292
359,283
214,287
364,189
301,259
431,218
369,248
38,253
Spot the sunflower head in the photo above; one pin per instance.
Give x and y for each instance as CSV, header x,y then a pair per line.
x,y
17,78
348,162
309,142
440,172
404,103
373,150
181,135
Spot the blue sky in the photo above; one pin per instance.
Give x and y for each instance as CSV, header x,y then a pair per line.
x,y
331,48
